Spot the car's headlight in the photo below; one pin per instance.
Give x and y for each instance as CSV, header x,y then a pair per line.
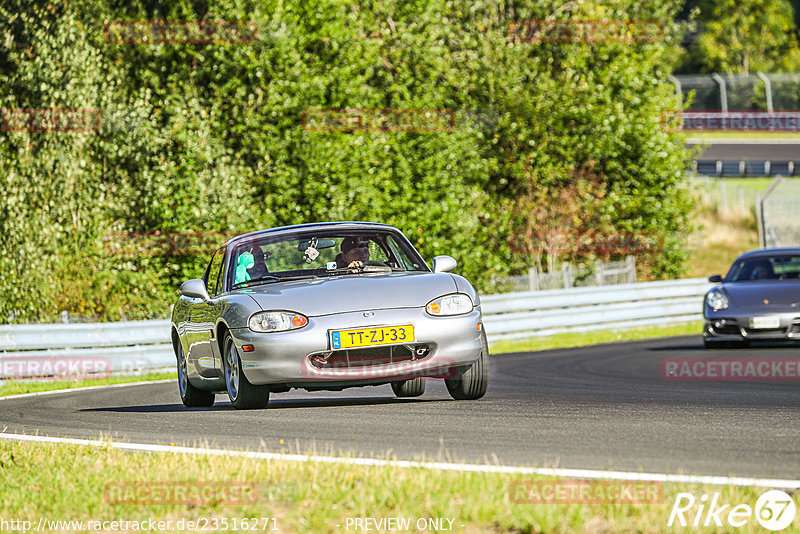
x,y
717,300
276,321
455,304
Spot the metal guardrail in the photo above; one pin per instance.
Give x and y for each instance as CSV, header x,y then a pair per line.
x,y
745,168
135,346
84,349
541,313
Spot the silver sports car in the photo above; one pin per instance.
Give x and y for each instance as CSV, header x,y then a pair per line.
x,y
325,307
759,299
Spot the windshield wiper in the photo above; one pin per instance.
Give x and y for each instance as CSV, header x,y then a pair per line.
x,y
272,278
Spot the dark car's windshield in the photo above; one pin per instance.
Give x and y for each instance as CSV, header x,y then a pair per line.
x,y
270,258
777,267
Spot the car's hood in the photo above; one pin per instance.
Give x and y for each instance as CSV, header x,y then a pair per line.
x,y
323,296
779,294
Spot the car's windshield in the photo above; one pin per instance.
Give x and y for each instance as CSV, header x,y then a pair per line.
x,y
777,267
269,259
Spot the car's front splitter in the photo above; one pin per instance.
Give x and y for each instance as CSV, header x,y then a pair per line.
x,y
740,328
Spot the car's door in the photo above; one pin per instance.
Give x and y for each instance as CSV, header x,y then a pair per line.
x,y
201,322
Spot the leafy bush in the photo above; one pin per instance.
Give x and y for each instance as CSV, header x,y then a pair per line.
x,y
210,138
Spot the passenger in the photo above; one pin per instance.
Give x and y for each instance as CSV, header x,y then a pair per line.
x,y
259,267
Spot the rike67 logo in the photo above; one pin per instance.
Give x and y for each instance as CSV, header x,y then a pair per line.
x,y
774,510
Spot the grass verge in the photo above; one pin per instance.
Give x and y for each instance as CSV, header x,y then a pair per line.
x,y
16,387
69,482
582,339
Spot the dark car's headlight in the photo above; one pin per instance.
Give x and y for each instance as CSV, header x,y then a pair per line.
x,y
717,299
276,321
454,304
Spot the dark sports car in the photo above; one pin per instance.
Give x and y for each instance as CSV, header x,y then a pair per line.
x,y
759,299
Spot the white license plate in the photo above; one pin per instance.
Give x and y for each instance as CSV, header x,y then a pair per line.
x,y
769,321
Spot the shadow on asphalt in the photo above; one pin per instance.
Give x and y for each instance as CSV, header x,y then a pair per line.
x,y
672,348
274,404
760,345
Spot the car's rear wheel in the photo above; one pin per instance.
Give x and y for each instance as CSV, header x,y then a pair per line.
x,y
190,395
473,383
409,388
243,394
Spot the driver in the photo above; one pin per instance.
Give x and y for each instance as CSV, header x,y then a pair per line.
x,y
355,252
762,270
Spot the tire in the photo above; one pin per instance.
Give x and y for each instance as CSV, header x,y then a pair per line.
x,y
190,395
473,383
243,394
409,388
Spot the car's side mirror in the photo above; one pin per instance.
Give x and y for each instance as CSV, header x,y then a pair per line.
x,y
444,264
715,278
195,288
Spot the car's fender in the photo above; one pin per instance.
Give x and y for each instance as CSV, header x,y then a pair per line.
x,y
463,286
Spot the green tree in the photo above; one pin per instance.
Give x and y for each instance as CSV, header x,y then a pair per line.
x,y
209,138
745,36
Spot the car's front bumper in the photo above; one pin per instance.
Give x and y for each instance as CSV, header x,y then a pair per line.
x,y
453,344
738,327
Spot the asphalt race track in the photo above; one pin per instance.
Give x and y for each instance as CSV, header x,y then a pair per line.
x,y
602,407
748,149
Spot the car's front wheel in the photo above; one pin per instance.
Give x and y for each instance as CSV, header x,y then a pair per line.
x,y
473,383
190,395
243,394
409,388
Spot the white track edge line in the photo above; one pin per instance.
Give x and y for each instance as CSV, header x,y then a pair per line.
x,y
85,388
776,483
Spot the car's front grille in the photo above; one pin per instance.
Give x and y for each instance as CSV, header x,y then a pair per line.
x,y
369,356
